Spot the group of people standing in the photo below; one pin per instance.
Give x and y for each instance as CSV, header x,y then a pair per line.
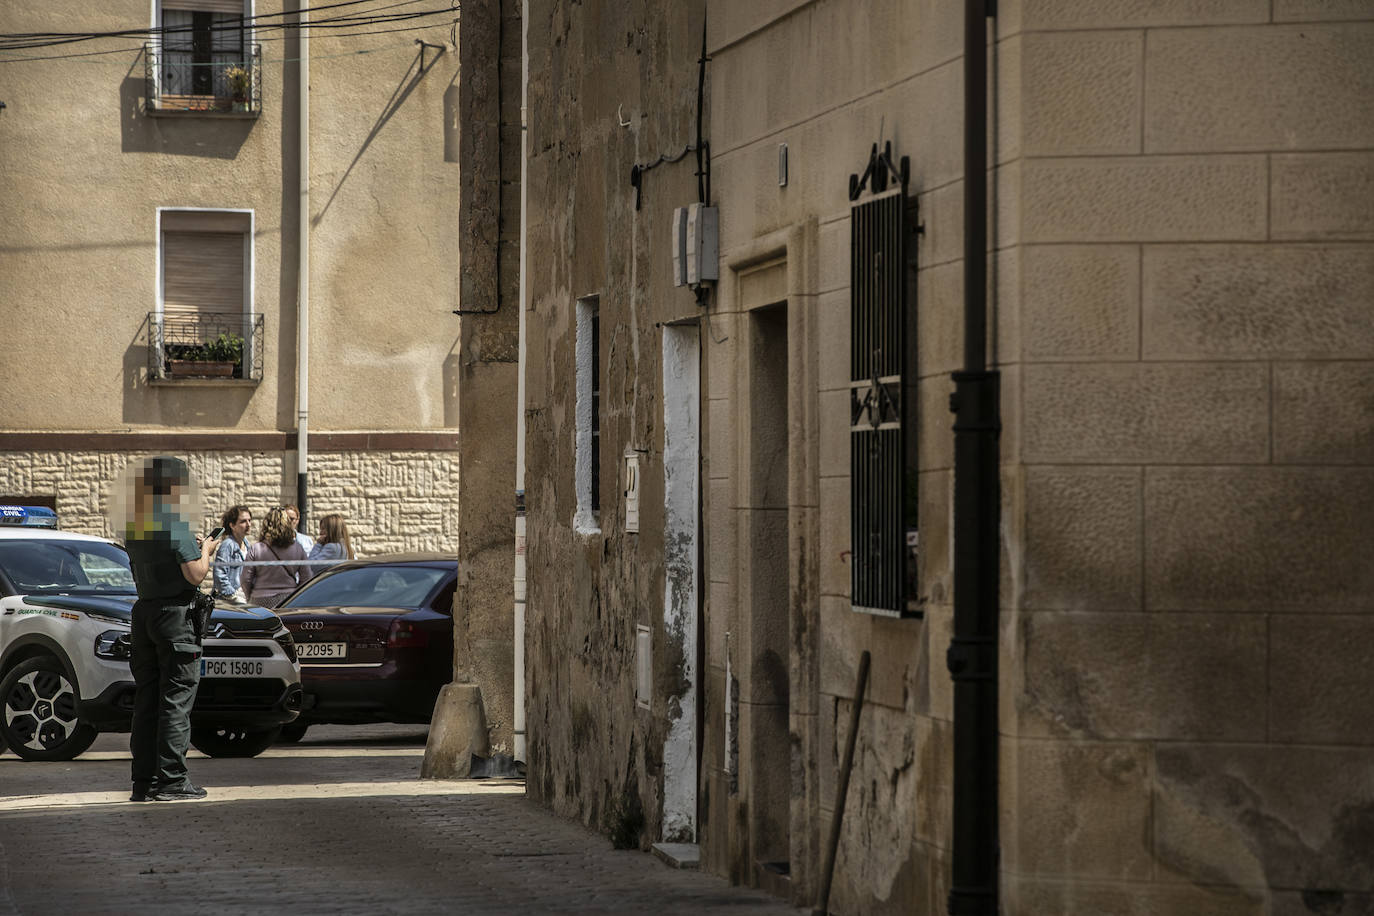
x,y
278,540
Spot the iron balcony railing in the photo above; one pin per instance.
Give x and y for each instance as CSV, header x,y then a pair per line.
x,y
181,79
191,343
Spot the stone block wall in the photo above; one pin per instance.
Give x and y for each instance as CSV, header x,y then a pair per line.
x,y
897,82
611,85
1186,671
393,501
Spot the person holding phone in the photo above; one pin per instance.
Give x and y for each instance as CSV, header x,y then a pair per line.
x,y
232,552
168,564
268,585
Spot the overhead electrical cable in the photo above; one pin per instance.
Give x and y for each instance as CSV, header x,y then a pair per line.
x,y
134,49
32,41
240,21
82,57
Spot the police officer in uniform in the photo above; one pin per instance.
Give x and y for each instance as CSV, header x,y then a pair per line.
x,y
168,566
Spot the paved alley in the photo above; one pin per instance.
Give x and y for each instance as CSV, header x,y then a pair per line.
x,y
338,824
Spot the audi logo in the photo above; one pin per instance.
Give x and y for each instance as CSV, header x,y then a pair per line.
x,y
313,625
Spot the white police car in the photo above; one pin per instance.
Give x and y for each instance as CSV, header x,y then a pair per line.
x,y
65,605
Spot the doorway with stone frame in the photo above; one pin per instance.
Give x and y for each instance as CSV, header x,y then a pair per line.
x,y
765,702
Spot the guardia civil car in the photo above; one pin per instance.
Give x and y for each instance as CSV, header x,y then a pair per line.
x,y
65,605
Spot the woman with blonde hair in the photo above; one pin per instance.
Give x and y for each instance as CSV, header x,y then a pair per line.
x,y
332,544
268,585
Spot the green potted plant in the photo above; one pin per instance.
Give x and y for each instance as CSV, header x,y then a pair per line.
x,y
240,83
218,358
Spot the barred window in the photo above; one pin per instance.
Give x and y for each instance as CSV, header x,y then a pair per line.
x,y
201,40
882,406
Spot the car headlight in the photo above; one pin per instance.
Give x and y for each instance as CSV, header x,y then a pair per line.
x,y
287,644
113,644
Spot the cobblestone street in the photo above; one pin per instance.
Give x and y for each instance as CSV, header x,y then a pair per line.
x,y
339,823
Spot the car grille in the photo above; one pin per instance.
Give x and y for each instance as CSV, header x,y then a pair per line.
x,y
238,693
267,632
212,650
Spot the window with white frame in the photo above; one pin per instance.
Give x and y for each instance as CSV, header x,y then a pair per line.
x,y
203,58
587,463
204,320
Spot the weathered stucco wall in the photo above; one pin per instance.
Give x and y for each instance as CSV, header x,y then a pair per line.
x,y
592,753
390,234
86,169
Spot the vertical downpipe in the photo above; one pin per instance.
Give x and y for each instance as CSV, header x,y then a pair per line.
x,y
972,657
520,540
303,280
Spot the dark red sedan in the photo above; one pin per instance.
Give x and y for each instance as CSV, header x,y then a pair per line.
x,y
375,639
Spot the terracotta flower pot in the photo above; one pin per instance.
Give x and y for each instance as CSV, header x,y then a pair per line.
x,y
188,368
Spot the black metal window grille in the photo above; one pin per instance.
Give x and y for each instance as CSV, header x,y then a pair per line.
x,y
194,343
203,70
596,409
882,403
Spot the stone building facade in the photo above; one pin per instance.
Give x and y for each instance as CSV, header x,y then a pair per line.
x,y
1180,275
149,207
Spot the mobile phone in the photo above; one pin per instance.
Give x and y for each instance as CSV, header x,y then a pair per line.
x,y
216,533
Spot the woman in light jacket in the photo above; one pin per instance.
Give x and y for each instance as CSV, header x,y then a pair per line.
x,y
332,544
268,585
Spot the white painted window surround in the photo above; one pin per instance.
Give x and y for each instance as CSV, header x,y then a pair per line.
x,y
681,605
586,520
215,223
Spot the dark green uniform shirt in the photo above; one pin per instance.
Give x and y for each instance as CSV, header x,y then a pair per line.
x,y
156,554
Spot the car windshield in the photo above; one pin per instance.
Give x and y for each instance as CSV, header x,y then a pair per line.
x,y
47,567
369,586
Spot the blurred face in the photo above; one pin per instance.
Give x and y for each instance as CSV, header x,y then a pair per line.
x,y
240,528
293,518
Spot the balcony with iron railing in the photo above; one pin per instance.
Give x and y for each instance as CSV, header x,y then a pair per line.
x,y
188,343
181,81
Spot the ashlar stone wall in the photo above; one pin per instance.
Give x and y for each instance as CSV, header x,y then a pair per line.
x,y
611,85
392,501
1187,671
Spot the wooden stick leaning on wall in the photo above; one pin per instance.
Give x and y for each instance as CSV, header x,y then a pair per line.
x,y
823,900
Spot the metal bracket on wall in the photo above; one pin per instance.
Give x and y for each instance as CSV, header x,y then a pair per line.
x,y
424,45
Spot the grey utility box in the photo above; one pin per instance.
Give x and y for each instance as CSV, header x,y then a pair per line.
x,y
696,245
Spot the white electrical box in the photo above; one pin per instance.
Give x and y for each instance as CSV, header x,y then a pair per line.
x,y
696,245
631,490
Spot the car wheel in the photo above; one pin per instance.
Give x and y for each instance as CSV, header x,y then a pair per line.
x,y
38,712
293,732
232,741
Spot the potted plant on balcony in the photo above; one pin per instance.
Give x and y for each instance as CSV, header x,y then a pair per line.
x,y
240,82
218,358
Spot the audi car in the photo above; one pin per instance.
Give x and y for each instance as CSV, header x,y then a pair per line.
x,y
375,639
66,602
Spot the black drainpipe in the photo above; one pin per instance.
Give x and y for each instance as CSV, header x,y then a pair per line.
x,y
972,657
